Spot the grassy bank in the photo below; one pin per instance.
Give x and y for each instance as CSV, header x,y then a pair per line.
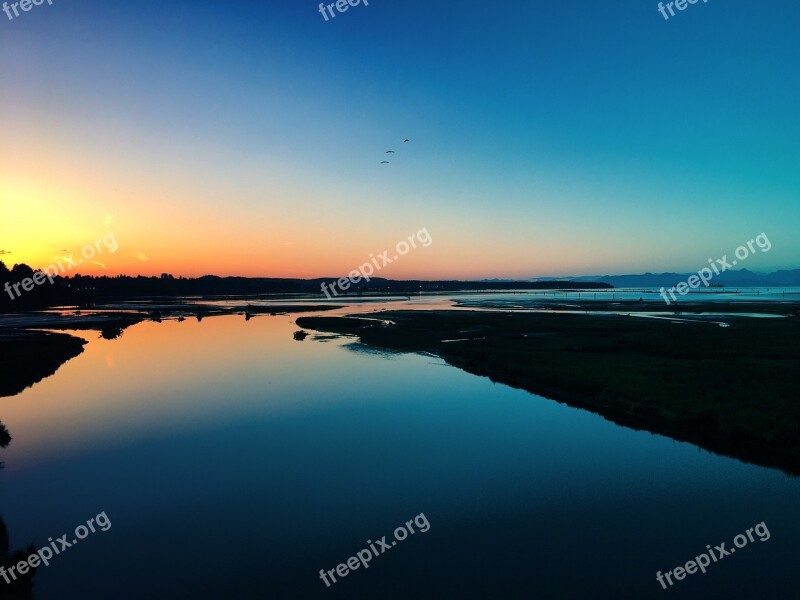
x,y
733,390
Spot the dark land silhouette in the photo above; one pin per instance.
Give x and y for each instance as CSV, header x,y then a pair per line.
x,y
731,278
88,291
30,356
22,587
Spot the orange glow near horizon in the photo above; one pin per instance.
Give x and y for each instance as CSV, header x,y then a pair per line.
x,y
58,211
180,212
183,214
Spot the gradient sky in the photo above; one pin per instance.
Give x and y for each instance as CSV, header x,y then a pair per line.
x,y
551,138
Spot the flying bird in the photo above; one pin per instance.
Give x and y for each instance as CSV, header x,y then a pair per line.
x,y
385,162
406,141
390,152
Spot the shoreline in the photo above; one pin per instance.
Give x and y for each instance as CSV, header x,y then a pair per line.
x,y
33,351
605,357
730,391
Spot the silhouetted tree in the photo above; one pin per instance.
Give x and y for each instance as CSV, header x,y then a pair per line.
x,y
21,271
22,587
5,437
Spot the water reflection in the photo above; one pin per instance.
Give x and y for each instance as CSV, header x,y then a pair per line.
x,y
13,584
228,434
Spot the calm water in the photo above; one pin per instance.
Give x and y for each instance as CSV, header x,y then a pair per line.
x,y
234,462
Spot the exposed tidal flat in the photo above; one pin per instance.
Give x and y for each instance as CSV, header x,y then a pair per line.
x,y
732,389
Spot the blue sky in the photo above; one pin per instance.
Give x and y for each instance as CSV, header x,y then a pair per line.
x,y
548,138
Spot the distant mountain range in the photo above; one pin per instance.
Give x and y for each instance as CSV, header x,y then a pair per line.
x,y
740,278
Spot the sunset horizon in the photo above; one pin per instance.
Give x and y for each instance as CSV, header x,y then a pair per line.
x,y
272,167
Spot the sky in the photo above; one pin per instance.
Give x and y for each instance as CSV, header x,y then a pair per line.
x,y
552,138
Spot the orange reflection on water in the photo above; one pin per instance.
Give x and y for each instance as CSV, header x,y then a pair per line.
x,y
165,376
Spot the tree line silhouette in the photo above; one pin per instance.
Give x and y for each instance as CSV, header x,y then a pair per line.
x,y
86,290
